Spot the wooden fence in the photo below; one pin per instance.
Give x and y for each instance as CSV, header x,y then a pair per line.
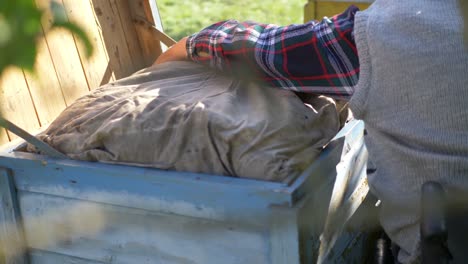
x,y
122,33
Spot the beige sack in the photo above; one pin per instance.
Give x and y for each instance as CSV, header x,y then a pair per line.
x,y
182,116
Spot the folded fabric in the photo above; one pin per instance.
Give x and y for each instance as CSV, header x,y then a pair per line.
x,y
183,116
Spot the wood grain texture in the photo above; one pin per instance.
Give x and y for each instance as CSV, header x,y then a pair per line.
x,y
138,236
44,86
178,217
130,33
151,47
16,104
67,62
284,236
190,194
12,241
64,73
96,68
108,17
65,57
47,257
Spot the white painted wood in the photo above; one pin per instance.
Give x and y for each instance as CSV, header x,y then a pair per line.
x,y
349,191
182,193
46,257
284,237
11,233
138,236
154,216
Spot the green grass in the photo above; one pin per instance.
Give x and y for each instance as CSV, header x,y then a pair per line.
x,y
184,17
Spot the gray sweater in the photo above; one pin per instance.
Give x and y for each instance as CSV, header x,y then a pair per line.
x,y
413,96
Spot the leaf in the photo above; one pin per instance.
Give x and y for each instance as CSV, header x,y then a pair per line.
x,y
61,20
79,33
26,58
20,23
5,31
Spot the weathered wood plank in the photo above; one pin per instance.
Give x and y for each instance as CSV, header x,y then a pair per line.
x,y
191,194
16,104
65,57
341,191
120,59
130,33
312,214
47,257
156,34
96,68
44,86
141,11
12,243
68,65
284,236
325,164
349,191
136,236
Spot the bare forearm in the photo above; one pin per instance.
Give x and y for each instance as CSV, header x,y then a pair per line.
x,y
176,52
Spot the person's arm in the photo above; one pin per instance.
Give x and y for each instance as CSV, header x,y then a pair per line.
x,y
315,57
176,52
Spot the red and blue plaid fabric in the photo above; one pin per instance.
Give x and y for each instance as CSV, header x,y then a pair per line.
x,y
315,57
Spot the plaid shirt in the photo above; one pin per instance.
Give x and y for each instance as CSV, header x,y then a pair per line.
x,y
315,57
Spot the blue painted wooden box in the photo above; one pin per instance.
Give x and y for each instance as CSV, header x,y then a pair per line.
x,y
83,212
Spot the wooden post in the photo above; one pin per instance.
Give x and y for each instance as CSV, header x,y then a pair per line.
x,y
12,240
309,11
143,18
317,9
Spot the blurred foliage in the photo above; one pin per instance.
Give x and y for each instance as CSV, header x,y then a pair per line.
x,y
20,28
183,18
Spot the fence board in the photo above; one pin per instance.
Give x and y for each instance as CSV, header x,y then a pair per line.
x,y
15,101
141,11
130,33
63,73
65,57
97,68
45,87
68,65
107,14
